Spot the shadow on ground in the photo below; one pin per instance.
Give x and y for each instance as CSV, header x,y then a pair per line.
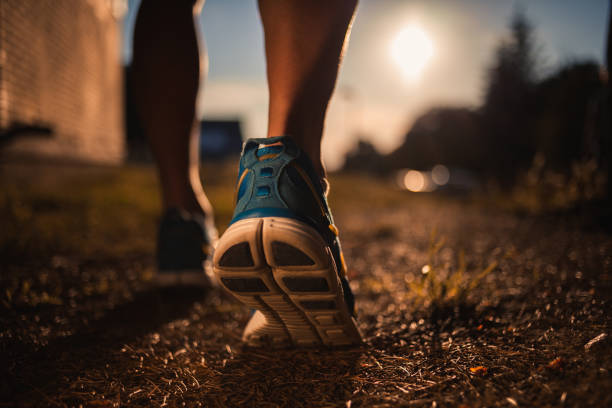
x,y
43,367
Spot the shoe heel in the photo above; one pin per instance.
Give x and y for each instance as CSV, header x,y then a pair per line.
x,y
284,269
240,268
304,269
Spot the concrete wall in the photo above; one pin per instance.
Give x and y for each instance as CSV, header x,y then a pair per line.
x,y
60,68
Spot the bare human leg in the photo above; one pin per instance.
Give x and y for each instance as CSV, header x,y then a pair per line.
x,y
167,67
304,44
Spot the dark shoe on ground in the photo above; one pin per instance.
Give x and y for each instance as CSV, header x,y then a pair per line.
x,y
281,254
185,245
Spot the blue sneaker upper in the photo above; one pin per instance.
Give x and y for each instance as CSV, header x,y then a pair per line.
x,y
277,179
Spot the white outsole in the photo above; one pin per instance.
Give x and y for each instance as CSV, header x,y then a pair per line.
x,y
287,313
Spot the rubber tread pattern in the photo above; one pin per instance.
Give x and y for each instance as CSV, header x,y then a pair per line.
x,y
238,255
287,255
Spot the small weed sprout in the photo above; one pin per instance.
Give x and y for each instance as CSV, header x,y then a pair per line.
x,y
441,287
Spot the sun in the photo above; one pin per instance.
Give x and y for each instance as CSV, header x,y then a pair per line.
x,y
411,50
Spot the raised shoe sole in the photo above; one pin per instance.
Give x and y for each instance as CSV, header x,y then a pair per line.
x,y
285,270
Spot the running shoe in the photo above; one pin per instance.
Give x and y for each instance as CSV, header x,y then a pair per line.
x,y
185,245
281,255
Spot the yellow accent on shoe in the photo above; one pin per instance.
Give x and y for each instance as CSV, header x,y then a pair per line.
x,y
267,156
334,229
240,180
342,270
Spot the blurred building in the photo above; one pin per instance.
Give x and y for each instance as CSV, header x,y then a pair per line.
x,y
220,138
61,92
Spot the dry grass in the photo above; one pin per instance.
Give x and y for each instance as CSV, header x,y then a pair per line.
x,y
445,285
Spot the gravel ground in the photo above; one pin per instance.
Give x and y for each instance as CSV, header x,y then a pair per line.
x,y
461,304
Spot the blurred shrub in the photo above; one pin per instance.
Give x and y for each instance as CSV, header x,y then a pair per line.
x,y
542,189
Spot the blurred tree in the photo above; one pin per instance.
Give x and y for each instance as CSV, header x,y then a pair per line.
x,y
568,103
442,135
508,102
365,158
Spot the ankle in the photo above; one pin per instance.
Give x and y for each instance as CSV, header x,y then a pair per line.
x,y
312,151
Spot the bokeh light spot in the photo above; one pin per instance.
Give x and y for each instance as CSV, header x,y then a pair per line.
x,y
414,181
440,174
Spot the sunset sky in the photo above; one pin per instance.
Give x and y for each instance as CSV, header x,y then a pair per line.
x,y
403,58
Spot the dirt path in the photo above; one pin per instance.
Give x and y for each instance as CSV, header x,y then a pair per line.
x,y
460,305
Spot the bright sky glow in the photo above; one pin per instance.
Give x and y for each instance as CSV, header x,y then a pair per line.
x,y
411,50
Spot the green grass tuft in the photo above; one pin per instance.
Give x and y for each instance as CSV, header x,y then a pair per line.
x,y
443,285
